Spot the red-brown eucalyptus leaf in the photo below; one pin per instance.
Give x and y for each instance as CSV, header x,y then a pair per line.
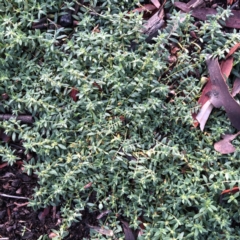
x,y
204,114
204,98
233,190
127,231
206,107
3,165
73,94
224,146
226,66
146,7
201,13
233,50
156,3
236,87
220,96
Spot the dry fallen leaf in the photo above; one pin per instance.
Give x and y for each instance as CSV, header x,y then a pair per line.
x,y
233,50
102,214
204,98
201,13
3,165
156,3
219,96
226,66
146,7
154,23
233,190
236,87
7,175
73,94
224,146
204,114
127,231
102,231
206,108
196,4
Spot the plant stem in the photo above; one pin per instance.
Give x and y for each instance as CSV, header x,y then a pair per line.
x,y
22,118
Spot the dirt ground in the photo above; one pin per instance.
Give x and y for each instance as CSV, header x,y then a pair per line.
x,y
18,221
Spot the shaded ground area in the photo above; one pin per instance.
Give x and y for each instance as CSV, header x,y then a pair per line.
x,y
17,221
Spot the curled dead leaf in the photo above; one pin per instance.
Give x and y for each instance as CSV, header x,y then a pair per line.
x,y
204,114
224,146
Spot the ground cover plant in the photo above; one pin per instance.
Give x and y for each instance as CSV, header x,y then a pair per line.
x,y
103,121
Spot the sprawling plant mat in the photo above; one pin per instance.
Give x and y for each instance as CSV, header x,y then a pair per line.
x,y
99,106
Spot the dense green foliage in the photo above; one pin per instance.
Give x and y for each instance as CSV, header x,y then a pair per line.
x,y
133,141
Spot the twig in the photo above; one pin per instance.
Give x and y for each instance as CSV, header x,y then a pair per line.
x,y
22,118
54,209
4,238
11,196
21,204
